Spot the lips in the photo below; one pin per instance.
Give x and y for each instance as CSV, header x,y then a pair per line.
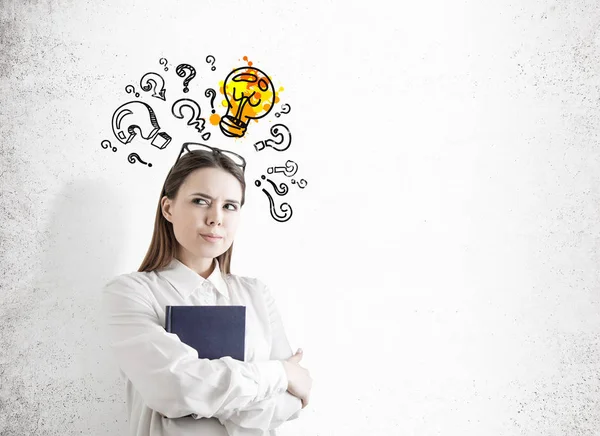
x,y
211,238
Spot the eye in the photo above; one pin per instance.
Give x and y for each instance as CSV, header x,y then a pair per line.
x,y
195,199
234,207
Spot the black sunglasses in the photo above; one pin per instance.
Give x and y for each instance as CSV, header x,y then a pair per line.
x,y
236,158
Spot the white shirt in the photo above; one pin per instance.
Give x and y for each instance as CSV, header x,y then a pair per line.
x,y
169,390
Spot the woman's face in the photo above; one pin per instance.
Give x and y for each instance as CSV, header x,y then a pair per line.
x,y
208,202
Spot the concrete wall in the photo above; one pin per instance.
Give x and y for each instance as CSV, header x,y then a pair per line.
x,y
440,268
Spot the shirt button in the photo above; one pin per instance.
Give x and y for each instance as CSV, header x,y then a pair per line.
x,y
207,297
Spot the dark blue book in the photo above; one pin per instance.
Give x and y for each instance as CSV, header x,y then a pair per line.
x,y
213,331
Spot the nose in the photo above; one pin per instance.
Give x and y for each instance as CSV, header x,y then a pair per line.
x,y
214,216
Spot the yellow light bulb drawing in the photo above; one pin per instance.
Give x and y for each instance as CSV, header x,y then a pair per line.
x,y
250,95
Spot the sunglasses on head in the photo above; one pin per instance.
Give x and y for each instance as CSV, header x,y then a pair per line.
x,y
190,146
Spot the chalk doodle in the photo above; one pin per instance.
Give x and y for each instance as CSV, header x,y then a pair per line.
x,y
284,141
210,59
195,120
154,82
287,111
134,157
301,184
106,145
165,63
250,95
137,114
211,93
181,72
285,208
129,89
281,190
289,169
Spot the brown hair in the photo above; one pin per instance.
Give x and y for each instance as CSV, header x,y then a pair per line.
x,y
163,245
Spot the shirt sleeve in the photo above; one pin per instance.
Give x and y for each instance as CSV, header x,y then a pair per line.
x,y
261,417
290,405
167,373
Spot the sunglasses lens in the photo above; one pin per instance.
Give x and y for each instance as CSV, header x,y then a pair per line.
x,y
192,147
237,159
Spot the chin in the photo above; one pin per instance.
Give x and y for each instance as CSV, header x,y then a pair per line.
x,y
212,252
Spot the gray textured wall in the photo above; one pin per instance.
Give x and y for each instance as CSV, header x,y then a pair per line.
x,y
444,262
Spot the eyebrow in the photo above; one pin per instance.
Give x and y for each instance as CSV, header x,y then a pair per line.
x,y
211,198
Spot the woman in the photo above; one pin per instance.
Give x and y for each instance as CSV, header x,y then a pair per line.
x,y
170,391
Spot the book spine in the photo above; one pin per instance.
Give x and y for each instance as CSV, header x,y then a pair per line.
x,y
168,315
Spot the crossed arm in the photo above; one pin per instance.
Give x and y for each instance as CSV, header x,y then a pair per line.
x,y
278,408
247,397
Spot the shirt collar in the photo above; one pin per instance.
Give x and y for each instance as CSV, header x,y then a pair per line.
x,y
185,280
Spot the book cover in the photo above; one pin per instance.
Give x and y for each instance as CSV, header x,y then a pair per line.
x,y
213,331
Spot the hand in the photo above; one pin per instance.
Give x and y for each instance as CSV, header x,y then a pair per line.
x,y
299,380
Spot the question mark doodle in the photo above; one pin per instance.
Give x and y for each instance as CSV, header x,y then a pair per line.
x,y
130,89
301,183
180,70
132,159
212,63
211,93
106,144
282,190
285,139
138,114
195,119
165,64
285,207
153,81
289,169
206,136
285,105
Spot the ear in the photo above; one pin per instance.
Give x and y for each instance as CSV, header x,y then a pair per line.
x,y
165,205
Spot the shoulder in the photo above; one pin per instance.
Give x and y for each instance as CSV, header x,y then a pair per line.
x,y
131,283
130,293
252,285
128,279
245,281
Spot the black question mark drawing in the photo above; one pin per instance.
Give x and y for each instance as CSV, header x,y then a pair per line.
x,y
138,114
106,144
289,169
196,121
285,105
211,93
302,183
181,72
285,139
132,159
285,207
165,63
282,190
153,81
208,60
130,89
